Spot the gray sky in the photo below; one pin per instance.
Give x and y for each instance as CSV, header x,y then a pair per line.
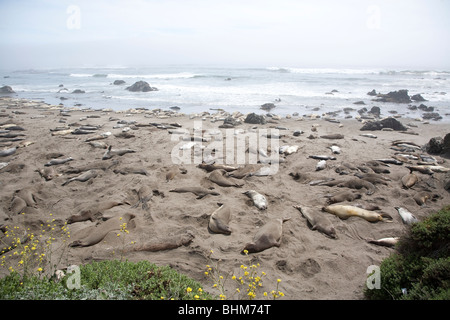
x,y
411,34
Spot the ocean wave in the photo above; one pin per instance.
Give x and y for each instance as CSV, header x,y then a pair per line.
x,y
162,76
322,70
432,73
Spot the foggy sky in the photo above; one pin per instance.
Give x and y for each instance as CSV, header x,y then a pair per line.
x,y
402,34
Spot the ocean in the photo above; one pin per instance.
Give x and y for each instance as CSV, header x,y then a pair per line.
x,y
198,88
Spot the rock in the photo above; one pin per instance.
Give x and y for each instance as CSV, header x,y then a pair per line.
x,y
446,146
141,86
385,123
78,91
372,93
267,106
231,121
359,102
255,119
435,145
118,82
6,89
400,96
447,181
425,108
375,111
431,116
417,97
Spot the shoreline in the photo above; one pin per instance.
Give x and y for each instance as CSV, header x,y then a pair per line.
x,y
311,265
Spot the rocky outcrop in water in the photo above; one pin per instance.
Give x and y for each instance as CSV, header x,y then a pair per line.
x,y
6,89
385,123
141,86
400,96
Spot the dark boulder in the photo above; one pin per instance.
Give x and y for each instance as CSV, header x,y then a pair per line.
x,y
118,82
425,108
78,91
446,145
434,146
6,89
141,86
268,106
231,122
431,116
376,111
359,102
372,93
385,123
253,118
417,97
400,96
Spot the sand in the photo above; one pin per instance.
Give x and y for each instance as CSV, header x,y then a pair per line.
x,y
310,264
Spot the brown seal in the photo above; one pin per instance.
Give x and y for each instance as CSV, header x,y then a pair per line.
x,y
217,176
95,234
82,177
269,235
144,193
344,212
198,191
318,221
219,220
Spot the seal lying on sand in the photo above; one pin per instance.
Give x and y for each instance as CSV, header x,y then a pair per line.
x,y
82,177
407,217
217,176
344,212
259,200
145,193
115,152
318,221
95,234
267,236
219,220
198,191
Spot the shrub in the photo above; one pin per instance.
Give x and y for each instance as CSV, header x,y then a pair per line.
x,y
421,267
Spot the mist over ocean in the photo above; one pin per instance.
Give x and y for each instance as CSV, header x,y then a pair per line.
x,y
197,88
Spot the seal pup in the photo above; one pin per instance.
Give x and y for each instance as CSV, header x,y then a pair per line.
x,y
217,176
144,193
198,191
115,152
93,211
321,165
95,234
18,205
258,199
385,242
358,184
82,177
269,235
346,211
219,220
407,217
318,221
214,166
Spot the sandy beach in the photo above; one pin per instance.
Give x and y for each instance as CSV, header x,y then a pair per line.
x,y
173,230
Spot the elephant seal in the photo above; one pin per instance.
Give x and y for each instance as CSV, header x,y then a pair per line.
x,y
358,184
219,220
344,196
115,152
269,235
214,166
95,234
54,162
345,211
198,191
48,173
18,205
145,193
407,217
259,200
82,177
7,152
93,211
409,180
217,176
318,221
385,242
